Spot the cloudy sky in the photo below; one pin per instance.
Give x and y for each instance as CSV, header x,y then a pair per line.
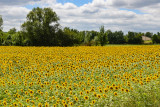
x,y
125,15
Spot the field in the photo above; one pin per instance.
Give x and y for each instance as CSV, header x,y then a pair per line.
x,y
125,76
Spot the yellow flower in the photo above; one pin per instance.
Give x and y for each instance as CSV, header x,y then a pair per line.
x,y
104,95
65,105
46,104
15,105
126,90
98,95
27,100
93,101
6,91
76,99
71,103
86,97
115,93
87,91
111,88
39,105
81,93
4,103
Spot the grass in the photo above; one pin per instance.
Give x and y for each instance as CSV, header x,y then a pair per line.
x,y
148,42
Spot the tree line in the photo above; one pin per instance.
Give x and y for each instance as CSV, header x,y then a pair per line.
x,y
42,28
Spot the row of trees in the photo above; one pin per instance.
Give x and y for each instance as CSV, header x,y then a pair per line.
x,y
42,29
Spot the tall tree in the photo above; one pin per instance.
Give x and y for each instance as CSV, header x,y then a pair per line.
x,y
149,34
134,38
12,31
119,37
156,38
41,26
102,36
1,22
116,37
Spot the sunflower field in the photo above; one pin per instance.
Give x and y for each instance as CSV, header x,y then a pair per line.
x,y
80,76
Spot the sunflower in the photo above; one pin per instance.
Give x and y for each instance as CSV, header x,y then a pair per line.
x,y
126,90
95,94
104,95
39,105
116,87
65,105
86,97
100,90
98,95
15,104
71,103
115,93
27,100
46,104
93,101
76,99
54,105
6,91
111,88
122,89
87,91
81,93
105,90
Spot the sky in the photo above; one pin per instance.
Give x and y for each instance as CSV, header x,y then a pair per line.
x,y
125,15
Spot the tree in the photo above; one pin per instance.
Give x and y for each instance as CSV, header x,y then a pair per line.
x,y
116,37
71,36
12,31
88,37
149,34
156,38
1,32
1,22
134,38
41,27
102,36
17,39
1,38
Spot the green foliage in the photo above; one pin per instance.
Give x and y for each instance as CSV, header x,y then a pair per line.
x,y
12,31
91,38
41,26
7,41
81,36
149,34
116,37
102,36
1,22
156,38
68,37
134,38
42,29
17,39
1,37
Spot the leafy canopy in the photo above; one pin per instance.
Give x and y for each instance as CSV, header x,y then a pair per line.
x,y
41,26
1,22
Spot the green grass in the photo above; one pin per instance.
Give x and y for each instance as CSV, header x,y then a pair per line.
x,y
148,42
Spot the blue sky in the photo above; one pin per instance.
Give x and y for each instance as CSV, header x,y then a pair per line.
x,y
31,6
133,10
76,2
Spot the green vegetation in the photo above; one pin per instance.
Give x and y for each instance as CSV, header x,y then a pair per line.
x,y
43,29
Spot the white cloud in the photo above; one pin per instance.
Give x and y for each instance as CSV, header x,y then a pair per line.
x,y
13,16
16,2
132,3
92,15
